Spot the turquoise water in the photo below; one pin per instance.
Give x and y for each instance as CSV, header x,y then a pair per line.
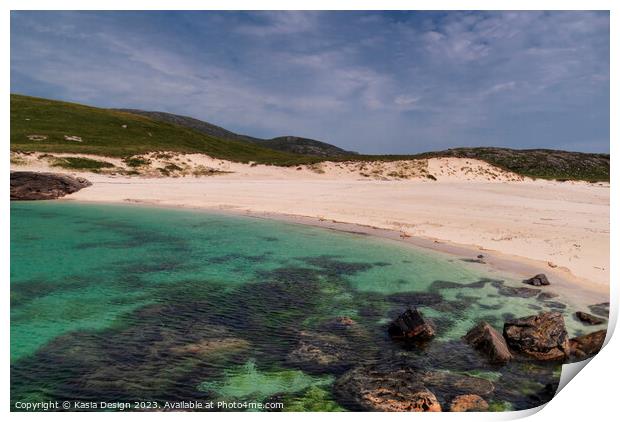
x,y
126,302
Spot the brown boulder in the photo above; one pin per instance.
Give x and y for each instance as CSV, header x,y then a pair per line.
x,y
487,340
541,336
587,345
468,403
385,391
411,325
28,185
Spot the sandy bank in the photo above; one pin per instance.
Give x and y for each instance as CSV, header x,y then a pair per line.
x,y
562,227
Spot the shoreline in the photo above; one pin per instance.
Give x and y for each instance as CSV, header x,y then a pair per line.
x,y
578,290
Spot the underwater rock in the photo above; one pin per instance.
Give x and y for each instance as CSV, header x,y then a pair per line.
x,y
468,403
485,338
546,296
411,325
523,292
28,185
445,384
541,336
365,388
600,309
346,327
555,305
587,345
589,319
211,347
319,352
538,280
413,299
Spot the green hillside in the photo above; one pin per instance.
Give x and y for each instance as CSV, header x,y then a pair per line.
x,y
41,125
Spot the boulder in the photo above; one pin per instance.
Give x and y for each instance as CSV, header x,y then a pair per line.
x,y
27,185
537,280
468,403
541,336
589,319
411,325
386,391
484,338
587,345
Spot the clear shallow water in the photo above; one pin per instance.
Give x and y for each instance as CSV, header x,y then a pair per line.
x,y
124,302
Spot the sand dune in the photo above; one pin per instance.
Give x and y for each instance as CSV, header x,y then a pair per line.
x,y
562,225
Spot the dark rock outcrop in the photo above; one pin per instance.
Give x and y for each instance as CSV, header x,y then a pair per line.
x,y
541,336
537,280
587,345
468,403
411,325
487,340
589,319
27,185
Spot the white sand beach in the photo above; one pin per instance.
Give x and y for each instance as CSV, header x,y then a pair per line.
x,y
562,226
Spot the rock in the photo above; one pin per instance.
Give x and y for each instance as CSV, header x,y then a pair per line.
x,y
600,309
589,319
468,403
387,391
211,347
537,280
445,384
541,336
487,340
524,292
37,137
587,345
411,325
73,138
319,352
27,185
414,299
546,296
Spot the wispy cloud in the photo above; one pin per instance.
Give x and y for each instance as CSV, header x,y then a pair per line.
x,y
370,81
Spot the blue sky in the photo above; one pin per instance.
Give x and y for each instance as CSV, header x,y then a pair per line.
x,y
374,82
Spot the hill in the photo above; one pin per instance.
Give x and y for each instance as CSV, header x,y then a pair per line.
x,y
39,124
292,144
43,125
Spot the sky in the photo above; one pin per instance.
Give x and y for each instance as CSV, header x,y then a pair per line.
x,y
372,82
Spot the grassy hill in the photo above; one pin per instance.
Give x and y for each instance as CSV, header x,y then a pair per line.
x,y
52,126
292,144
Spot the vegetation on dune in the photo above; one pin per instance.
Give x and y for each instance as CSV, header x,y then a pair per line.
x,y
538,163
53,126
79,163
